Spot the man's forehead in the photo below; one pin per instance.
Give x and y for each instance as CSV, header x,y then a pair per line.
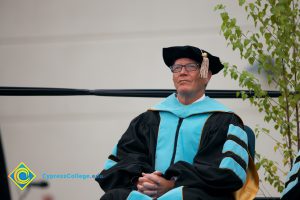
x,y
184,60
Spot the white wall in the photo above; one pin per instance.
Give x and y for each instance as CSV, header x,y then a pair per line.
x,y
94,44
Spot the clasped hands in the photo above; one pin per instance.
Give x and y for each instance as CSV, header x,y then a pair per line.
x,y
154,185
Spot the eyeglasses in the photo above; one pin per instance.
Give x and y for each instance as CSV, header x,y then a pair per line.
x,y
188,67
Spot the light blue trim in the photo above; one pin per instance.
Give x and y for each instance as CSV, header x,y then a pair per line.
x,y
189,137
231,164
231,146
135,195
174,194
289,187
114,151
109,163
238,132
294,170
171,104
165,140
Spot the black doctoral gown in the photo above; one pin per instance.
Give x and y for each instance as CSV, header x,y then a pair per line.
x,y
203,145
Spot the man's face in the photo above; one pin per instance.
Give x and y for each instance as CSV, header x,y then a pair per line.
x,y
189,83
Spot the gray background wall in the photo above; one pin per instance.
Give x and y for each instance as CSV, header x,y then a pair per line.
x,y
96,44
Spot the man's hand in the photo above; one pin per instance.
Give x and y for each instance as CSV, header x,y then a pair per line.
x,y
154,185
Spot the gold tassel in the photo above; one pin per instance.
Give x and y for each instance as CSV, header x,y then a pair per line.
x,y
204,65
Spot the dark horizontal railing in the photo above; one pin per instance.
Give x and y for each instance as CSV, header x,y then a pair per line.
x,y
157,93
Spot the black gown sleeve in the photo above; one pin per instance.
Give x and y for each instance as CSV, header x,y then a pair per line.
x,y
292,184
208,172
132,157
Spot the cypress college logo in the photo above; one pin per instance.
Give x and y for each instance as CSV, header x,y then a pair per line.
x,y
22,176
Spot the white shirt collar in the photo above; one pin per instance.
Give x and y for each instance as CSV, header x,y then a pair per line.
x,y
200,99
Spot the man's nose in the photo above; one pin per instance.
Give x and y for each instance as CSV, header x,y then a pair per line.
x,y
183,70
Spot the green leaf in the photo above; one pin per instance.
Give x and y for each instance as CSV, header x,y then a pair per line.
x,y
219,7
251,60
224,16
246,42
268,36
241,2
251,5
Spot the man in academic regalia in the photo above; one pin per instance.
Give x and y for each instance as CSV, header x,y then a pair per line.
x,y
188,146
292,184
